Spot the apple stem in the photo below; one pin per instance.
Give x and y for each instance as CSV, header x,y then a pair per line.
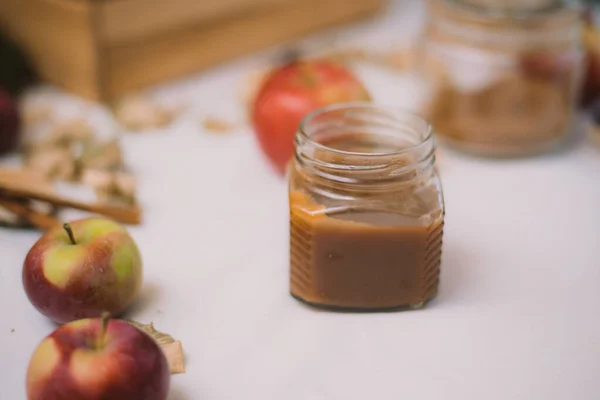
x,y
67,228
104,319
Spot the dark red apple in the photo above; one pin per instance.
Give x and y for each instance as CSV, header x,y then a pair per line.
x,y
292,91
591,84
98,359
10,124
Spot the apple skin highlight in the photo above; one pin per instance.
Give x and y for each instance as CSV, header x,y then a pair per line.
x,y
289,93
102,272
78,361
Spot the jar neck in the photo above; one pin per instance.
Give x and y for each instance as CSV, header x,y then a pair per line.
x,y
362,148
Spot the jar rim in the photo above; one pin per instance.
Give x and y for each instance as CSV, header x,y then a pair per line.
x,y
425,138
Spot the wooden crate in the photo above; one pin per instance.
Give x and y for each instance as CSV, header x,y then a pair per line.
x,y
102,49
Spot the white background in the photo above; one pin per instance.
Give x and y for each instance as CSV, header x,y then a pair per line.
x,y
517,317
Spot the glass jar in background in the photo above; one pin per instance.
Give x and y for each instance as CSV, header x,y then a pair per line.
x,y
507,74
366,210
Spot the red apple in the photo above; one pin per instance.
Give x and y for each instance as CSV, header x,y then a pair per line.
x,y
83,269
292,91
10,124
98,359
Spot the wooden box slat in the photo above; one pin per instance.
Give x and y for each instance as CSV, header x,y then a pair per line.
x,y
123,21
59,38
105,49
131,66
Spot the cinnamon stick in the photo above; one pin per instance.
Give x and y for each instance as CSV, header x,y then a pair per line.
x,y
38,219
28,185
126,215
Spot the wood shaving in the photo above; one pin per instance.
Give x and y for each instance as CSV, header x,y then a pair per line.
x,y
101,155
96,179
53,163
172,348
70,151
111,187
346,56
174,353
593,133
33,116
138,113
64,134
217,125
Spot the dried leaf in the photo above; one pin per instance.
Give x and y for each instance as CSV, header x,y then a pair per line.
x,y
217,125
138,113
172,348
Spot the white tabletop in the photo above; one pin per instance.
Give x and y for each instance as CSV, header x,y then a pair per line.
x,y
517,316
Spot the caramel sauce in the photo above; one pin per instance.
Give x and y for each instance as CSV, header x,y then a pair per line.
x,y
357,259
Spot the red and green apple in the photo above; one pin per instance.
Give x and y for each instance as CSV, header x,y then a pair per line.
x,y
82,269
96,359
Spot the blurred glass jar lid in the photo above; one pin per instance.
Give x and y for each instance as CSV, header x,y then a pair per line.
x,y
515,8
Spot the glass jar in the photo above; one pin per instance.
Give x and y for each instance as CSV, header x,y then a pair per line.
x,y
507,74
366,210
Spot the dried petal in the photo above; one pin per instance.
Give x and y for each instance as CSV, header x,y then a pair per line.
x,y
172,348
138,113
217,125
